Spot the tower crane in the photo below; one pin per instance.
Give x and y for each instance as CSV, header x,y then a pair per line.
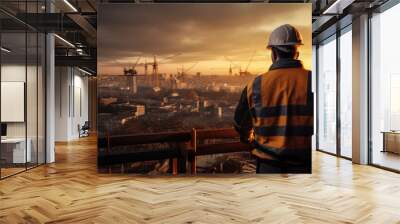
x,y
246,72
155,76
232,67
184,71
131,73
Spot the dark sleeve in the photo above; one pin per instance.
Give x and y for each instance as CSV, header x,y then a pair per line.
x,y
242,119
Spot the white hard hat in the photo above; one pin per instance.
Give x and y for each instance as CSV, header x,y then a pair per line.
x,y
285,35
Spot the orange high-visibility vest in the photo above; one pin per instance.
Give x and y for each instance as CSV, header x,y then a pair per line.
x,y
281,105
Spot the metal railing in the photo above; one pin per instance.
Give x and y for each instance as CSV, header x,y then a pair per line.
x,y
187,145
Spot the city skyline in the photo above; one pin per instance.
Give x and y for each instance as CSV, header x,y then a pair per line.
x,y
205,38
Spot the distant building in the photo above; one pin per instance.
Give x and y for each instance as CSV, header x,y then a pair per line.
x,y
219,112
140,110
197,106
108,100
205,103
182,85
133,84
244,73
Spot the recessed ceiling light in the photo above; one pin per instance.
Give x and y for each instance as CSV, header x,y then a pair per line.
x,y
70,5
5,50
84,71
64,40
338,6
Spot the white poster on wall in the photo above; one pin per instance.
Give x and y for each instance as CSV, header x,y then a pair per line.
x,y
12,101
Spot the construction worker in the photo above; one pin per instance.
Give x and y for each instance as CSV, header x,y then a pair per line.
x,y
275,111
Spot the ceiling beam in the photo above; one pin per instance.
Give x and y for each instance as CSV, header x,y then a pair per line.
x,y
77,61
85,25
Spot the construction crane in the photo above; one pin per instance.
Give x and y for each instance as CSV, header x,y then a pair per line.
x,y
145,71
184,71
155,76
232,67
246,72
155,79
131,73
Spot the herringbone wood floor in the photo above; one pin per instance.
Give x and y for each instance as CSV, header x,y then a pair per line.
x,y
71,191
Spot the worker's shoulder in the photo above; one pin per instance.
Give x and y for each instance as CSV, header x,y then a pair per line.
x,y
288,71
306,70
259,76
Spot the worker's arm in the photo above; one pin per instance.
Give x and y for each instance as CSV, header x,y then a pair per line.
x,y
242,119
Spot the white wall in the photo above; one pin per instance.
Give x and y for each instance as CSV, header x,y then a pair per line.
x,y
33,127
62,81
16,73
71,94
80,111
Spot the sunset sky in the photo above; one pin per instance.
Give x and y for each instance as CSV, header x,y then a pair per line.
x,y
205,37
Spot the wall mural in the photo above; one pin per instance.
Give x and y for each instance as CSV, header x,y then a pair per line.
x,y
170,77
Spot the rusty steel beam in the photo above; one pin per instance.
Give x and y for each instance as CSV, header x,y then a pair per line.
x,y
111,159
108,142
222,133
180,136
209,149
123,140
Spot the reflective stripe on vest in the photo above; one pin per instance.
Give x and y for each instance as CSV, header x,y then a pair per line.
x,y
282,110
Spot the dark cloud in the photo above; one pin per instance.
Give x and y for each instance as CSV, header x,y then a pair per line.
x,y
197,32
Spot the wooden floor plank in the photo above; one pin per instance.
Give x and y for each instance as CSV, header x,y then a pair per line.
x,y
71,191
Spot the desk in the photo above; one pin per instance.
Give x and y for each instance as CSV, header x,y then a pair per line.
x,y
16,147
391,141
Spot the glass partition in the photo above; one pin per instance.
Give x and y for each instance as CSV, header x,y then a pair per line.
x,y
14,153
385,89
327,96
22,92
346,93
